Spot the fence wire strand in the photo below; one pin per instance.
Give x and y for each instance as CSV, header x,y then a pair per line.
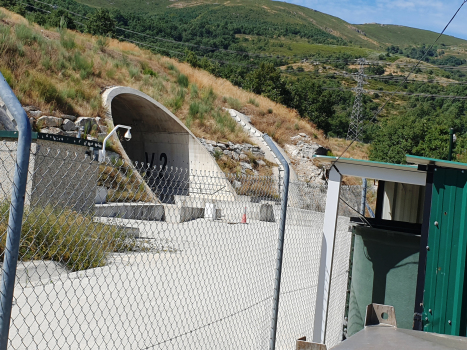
x,y
120,255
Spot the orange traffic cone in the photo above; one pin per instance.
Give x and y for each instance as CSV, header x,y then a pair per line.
x,y
244,217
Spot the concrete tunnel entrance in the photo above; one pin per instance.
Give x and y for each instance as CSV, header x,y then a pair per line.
x,y
161,140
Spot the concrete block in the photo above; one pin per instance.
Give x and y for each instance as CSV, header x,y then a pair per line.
x,y
190,213
266,213
101,195
133,211
210,211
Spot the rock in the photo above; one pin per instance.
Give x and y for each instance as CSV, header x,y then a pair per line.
x,y
246,165
210,148
247,145
217,149
69,117
235,156
91,138
303,135
261,162
49,121
296,137
228,153
258,154
243,156
68,125
210,142
86,122
30,108
101,121
52,130
222,145
35,114
112,155
104,129
236,184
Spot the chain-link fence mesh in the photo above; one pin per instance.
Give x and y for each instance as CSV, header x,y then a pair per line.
x,y
116,255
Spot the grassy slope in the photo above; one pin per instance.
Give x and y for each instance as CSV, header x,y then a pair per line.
x,y
64,72
406,36
376,37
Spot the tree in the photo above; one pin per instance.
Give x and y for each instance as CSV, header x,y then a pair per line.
x,y
309,99
101,23
61,19
266,80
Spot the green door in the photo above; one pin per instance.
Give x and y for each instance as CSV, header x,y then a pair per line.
x,y
445,291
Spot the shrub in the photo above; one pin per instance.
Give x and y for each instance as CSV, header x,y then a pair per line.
x,y
252,101
182,80
65,236
234,103
8,75
82,65
133,71
110,73
102,42
67,40
25,35
270,110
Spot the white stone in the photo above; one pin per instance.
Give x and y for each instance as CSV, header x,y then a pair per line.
x,y
246,165
52,130
35,114
49,121
261,162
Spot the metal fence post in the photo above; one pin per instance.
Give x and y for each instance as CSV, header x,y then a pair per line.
x,y
16,208
280,245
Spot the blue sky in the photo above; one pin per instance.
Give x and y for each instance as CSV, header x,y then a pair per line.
x,y
424,14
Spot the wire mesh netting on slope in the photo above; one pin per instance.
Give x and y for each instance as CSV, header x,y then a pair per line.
x,y
117,255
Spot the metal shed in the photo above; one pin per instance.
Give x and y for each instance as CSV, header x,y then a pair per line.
x,y
421,211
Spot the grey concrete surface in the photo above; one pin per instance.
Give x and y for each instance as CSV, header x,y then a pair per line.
x,y
198,285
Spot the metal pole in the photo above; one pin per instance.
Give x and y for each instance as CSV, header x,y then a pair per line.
x,y
10,261
363,202
280,245
451,141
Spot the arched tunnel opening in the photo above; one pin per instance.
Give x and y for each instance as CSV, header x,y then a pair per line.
x,y
165,151
159,144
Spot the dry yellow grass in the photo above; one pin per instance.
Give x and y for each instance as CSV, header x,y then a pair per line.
x,y
51,62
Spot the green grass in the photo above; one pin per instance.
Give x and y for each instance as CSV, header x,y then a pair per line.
x,y
234,103
65,236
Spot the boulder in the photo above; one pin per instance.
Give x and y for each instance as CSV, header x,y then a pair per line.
x,y
235,156
86,122
222,145
69,117
52,130
49,121
68,125
243,156
35,114
245,165
228,153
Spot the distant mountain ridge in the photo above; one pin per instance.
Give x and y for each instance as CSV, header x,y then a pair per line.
x,y
370,36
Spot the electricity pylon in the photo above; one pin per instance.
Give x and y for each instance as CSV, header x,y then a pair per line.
x,y
356,120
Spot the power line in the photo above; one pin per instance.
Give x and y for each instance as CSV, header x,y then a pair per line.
x,y
451,97
407,77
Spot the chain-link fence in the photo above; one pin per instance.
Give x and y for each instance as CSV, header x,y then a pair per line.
x,y
116,255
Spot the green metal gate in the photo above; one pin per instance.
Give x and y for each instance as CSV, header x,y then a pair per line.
x,y
445,295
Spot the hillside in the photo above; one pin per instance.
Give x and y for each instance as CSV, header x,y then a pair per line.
x,y
275,13
62,72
